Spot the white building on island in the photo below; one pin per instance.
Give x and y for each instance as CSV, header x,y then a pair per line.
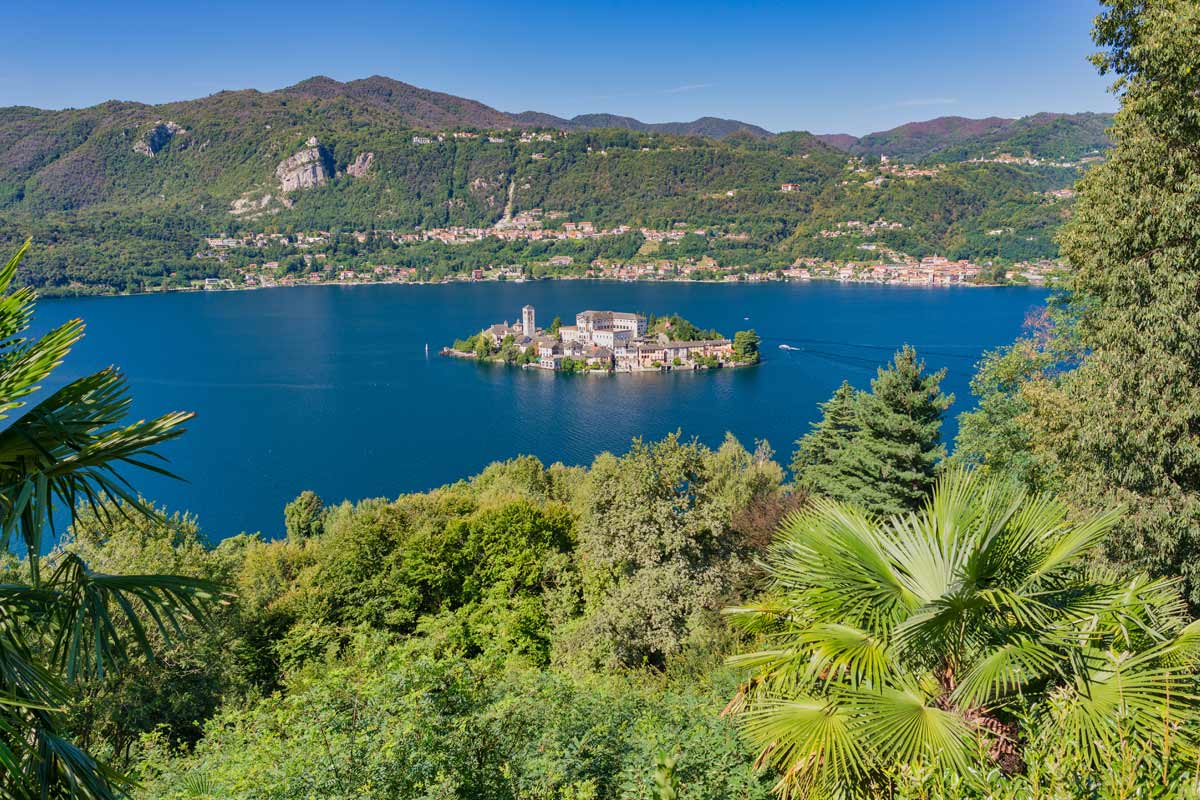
x,y
614,340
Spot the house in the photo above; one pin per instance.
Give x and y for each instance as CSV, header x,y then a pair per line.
x,y
591,321
550,353
611,337
500,330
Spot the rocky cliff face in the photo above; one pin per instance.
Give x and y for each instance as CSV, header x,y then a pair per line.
x,y
362,163
157,138
305,169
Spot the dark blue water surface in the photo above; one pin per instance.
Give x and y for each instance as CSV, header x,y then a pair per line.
x,y
329,388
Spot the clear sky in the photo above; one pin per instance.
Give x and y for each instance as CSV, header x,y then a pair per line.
x,y
841,66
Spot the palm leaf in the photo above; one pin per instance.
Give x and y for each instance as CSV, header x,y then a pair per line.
x,y
809,740
903,725
91,606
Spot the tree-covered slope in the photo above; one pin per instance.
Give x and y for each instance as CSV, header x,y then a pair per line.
x,y
120,196
1044,135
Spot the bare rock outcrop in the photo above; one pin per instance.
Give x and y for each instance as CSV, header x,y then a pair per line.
x,y
306,169
158,137
362,163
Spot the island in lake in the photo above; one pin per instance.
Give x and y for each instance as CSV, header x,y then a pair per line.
x,y
608,341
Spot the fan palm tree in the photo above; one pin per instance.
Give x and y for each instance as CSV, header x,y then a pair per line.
x,y
67,623
918,641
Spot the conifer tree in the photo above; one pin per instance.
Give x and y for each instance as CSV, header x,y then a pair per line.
x,y
815,462
303,517
880,449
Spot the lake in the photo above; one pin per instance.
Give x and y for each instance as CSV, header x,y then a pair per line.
x,y
329,388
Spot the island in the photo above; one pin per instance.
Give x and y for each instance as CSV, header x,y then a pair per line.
x,y
608,342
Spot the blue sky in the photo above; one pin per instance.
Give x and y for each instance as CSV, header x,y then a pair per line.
x,y
850,66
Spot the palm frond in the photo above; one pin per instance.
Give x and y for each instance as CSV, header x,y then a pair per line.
x,y
911,632
905,725
809,740
91,605
1006,671
833,556
844,653
1124,700
66,450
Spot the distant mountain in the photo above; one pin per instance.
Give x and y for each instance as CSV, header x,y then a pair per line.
x,y
841,141
1044,135
122,196
419,108
712,127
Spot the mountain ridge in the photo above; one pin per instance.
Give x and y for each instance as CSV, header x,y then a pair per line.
x,y
950,137
124,195
431,109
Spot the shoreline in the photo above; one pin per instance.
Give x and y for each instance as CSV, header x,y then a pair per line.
x,y
347,284
450,352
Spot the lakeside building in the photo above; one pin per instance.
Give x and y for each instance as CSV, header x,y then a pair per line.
x,y
608,340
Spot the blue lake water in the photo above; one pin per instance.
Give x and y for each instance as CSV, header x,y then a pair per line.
x,y
330,389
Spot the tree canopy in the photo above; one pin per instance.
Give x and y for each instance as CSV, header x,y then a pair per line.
x,y
881,448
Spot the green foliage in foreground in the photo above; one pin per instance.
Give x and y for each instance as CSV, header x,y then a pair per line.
x,y
67,626
968,636
530,632
398,723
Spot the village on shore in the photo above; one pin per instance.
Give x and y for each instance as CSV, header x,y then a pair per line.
x,y
606,341
248,259
880,265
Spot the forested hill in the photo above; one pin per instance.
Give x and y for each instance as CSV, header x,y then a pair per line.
x,y
714,127
120,196
1045,135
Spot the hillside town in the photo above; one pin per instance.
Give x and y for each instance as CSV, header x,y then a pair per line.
x,y
599,341
879,264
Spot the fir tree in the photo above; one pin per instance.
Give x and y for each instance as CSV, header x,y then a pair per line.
x,y
880,449
815,462
304,517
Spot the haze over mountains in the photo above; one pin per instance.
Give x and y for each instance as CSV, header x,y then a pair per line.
x,y
956,138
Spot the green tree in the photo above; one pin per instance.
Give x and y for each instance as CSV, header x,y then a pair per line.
x,y
658,547
190,675
819,450
993,436
887,463
893,646
69,624
745,346
1115,420
555,324
483,346
509,352
303,517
